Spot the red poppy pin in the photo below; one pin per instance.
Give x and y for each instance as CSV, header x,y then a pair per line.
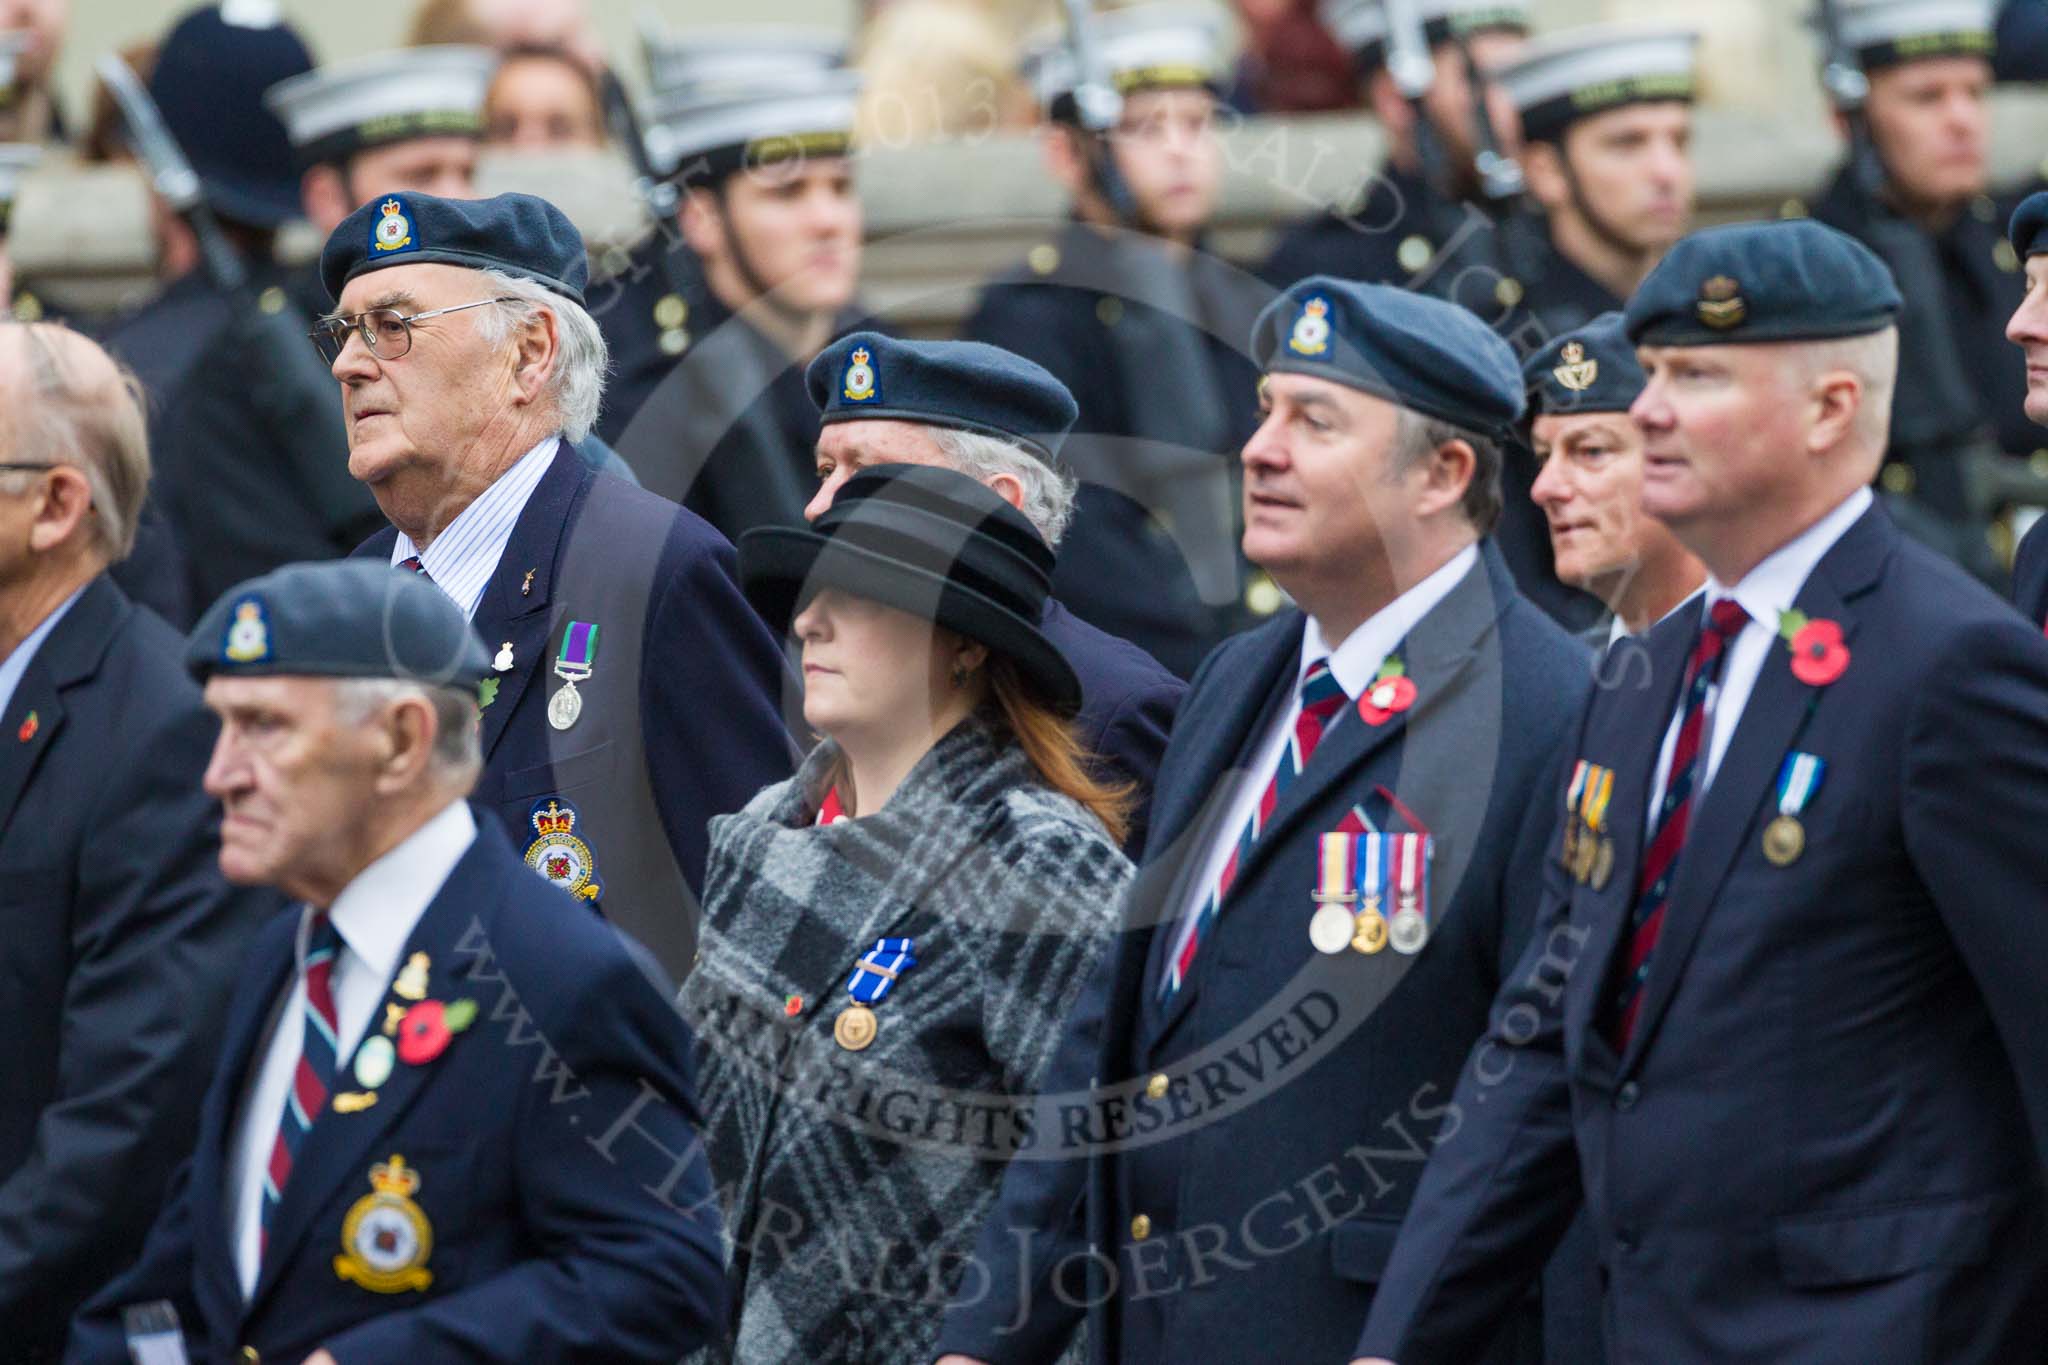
x,y
793,1006
1391,693
1818,654
424,1032
28,728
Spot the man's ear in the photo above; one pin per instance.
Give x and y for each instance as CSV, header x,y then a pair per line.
x,y
1009,488
63,501
1836,398
407,728
323,194
703,222
1388,104
1065,160
540,351
1543,170
1447,474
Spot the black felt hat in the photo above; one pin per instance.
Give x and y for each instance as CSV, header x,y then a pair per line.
x,y
929,541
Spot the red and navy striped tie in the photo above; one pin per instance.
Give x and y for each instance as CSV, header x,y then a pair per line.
x,y
411,563
1322,698
1725,621
315,1071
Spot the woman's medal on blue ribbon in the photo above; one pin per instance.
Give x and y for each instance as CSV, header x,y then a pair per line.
x,y
872,978
1799,777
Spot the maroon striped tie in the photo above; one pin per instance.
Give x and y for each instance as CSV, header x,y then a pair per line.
x,y
1725,620
307,1098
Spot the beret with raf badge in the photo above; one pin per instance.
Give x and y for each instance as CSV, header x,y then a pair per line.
x,y
1591,368
2028,231
350,618
1748,283
1417,352
965,385
517,233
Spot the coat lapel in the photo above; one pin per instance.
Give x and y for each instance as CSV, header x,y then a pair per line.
x,y
1770,722
514,607
341,1148
70,655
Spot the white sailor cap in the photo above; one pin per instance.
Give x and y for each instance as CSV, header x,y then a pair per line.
x,y
1143,47
342,108
1883,33
1443,20
1563,77
708,137
705,61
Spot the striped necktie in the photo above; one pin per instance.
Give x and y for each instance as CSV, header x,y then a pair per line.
x,y
1322,698
315,1071
1725,621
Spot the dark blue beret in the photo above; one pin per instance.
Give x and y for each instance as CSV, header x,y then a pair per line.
x,y
2029,231
516,233
1418,352
962,384
349,618
1756,282
1592,368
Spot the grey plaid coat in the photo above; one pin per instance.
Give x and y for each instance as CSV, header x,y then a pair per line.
x,y
855,1181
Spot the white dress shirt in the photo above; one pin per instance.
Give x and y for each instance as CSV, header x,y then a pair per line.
x,y
374,915
15,667
465,555
1617,629
1764,591
1356,662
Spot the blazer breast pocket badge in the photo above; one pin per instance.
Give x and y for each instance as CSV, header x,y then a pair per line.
x,y
386,1238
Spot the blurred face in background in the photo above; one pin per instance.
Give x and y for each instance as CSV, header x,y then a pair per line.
x,y
1931,123
1628,171
44,21
1450,104
438,165
1169,155
542,101
789,230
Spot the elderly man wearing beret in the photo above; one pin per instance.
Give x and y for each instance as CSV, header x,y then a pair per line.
x,y
1345,842
1589,481
632,692
451,1119
1786,1044
2028,329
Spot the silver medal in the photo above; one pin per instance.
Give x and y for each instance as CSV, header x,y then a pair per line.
x,y
1329,929
565,706
1408,931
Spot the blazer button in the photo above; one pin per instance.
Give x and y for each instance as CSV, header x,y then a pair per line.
x,y
1626,1097
1141,1228
250,1356
1155,1089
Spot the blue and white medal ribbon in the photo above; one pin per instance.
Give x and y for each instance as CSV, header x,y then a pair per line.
x,y
1799,777
877,971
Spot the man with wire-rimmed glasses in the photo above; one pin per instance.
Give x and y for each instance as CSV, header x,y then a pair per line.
x,y
121,934
634,694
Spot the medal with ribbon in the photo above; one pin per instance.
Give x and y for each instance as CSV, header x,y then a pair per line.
x,y
1799,777
1408,929
1329,929
1569,854
1369,930
573,664
873,976
1596,848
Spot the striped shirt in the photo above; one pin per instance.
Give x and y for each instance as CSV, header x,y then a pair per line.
x,y
465,555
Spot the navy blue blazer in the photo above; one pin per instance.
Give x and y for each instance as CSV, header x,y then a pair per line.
x,y
564,1191
1335,1071
1825,1140
2030,574
118,941
681,720
1128,701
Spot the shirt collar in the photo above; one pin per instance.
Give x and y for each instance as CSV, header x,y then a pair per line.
x,y
1356,662
376,913
1774,584
15,666
1618,628
466,553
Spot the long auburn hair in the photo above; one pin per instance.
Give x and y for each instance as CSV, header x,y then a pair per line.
x,y
1054,749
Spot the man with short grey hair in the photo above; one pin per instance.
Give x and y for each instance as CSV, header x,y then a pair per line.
x,y
382,1090
632,690
121,935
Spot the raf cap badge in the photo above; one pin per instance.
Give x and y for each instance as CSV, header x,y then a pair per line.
x,y
1576,373
858,383
558,854
393,230
1311,334
386,1238
248,638
1721,306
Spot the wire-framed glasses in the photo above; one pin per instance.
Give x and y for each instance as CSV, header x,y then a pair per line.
x,y
386,331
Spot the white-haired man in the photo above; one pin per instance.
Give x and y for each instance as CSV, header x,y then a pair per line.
x,y
121,936
634,693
